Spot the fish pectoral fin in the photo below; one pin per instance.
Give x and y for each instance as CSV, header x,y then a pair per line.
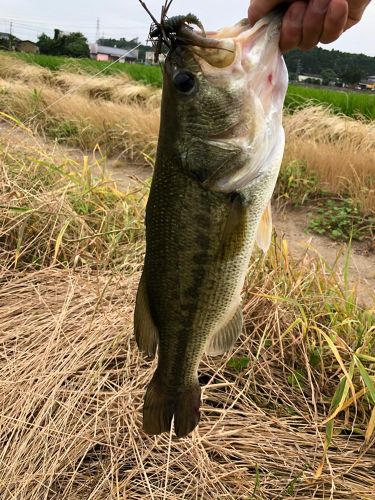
x,y
233,221
146,333
223,340
264,230
161,405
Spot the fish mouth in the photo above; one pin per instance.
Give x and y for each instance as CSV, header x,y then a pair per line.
x,y
225,47
248,62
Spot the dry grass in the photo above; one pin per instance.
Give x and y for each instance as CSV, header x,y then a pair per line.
x,y
72,380
119,115
339,151
126,129
55,209
72,389
118,89
13,69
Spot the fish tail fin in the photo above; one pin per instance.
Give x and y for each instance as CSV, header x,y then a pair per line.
x,y
160,406
186,416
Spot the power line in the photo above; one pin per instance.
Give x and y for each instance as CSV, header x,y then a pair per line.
x,y
68,24
112,31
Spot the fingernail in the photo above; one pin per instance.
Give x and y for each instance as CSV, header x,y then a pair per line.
x,y
320,6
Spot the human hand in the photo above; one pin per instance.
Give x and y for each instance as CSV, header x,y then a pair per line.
x,y
308,22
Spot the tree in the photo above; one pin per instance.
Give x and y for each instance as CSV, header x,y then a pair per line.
x,y
45,44
352,76
72,45
121,43
315,61
76,45
328,75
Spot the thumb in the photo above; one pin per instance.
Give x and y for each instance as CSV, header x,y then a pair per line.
x,y
260,8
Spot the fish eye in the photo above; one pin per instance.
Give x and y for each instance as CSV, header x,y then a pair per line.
x,y
184,81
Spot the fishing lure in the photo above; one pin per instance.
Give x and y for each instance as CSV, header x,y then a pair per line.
x,y
167,30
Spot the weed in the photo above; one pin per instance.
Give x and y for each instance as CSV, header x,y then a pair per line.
x,y
238,364
296,185
65,129
341,220
62,212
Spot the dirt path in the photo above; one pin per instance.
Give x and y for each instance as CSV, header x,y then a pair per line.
x,y
291,224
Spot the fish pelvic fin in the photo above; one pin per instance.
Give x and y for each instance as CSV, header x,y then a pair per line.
x,y
161,405
224,339
146,333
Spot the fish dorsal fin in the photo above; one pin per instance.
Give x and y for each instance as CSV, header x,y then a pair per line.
x,y
224,339
146,333
264,230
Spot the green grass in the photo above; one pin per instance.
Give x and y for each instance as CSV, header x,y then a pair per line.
x,y
349,103
150,75
295,185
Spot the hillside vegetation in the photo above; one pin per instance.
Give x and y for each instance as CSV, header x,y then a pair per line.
x,y
317,60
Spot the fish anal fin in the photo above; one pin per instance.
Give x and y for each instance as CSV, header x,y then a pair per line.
x,y
224,339
161,405
146,333
264,230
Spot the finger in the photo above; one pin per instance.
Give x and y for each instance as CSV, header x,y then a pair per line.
x,y
313,23
291,30
335,21
356,10
259,8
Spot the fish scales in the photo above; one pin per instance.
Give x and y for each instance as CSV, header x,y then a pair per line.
x,y
203,216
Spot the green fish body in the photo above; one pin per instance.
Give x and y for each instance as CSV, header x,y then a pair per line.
x,y
220,147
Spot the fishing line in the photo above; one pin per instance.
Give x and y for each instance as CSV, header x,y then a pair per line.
x,y
28,122
74,89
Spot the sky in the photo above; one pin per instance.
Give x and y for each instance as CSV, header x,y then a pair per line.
x,y
126,18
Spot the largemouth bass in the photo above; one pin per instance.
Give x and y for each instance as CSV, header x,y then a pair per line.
x,y
219,152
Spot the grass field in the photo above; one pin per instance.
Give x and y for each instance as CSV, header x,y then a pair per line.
x,y
290,413
122,116
348,103
71,251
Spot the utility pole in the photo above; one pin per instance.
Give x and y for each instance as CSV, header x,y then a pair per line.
x,y
299,68
10,34
97,30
